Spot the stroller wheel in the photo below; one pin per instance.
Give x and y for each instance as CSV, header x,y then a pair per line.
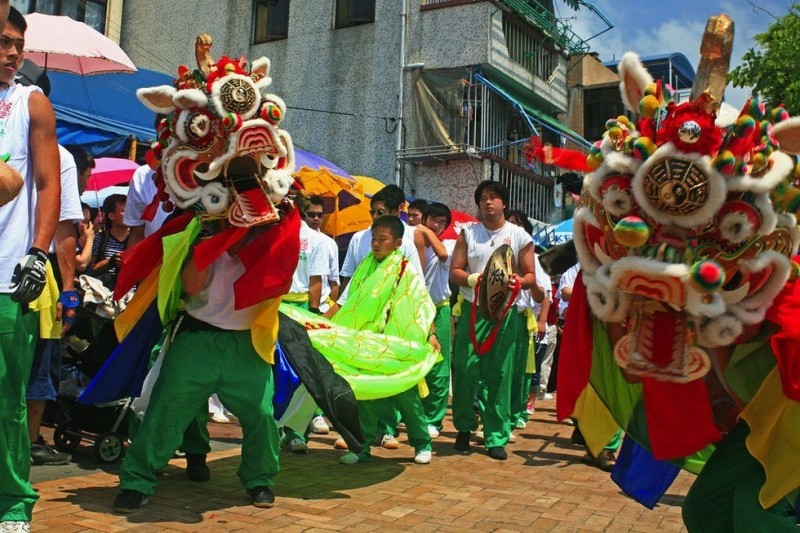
x,y
109,447
67,438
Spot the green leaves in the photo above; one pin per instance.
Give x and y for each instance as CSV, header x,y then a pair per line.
x,y
772,69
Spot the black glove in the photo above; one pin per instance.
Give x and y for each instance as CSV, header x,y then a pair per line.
x,y
29,276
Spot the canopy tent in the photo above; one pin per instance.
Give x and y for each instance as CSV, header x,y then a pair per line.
x,y
101,113
556,234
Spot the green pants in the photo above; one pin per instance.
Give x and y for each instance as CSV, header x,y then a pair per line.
x,y
196,439
491,371
520,381
198,364
17,336
724,498
438,379
409,405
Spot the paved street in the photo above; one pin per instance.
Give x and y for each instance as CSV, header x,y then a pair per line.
x,y
542,487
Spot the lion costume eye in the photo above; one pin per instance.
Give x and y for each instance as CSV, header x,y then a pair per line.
x,y
738,221
194,126
198,125
616,195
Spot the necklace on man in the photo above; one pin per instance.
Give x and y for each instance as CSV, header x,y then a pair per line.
x,y
492,234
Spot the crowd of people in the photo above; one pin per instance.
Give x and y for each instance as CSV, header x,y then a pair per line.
x,y
481,316
78,247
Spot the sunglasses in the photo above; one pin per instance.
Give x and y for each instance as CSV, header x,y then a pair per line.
x,y
314,215
377,212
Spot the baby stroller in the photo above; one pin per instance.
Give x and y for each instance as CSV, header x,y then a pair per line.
x,y
90,343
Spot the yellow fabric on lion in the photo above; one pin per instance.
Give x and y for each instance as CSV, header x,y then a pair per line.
x,y
144,296
774,438
264,331
595,420
533,325
456,310
45,304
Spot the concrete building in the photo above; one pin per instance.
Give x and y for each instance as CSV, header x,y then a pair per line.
x,y
435,95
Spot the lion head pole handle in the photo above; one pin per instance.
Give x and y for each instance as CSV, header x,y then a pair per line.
x,y
715,58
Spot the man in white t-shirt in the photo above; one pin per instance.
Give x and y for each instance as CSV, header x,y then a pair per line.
x,y
435,220
141,192
492,371
305,292
46,369
27,225
387,201
565,289
212,352
330,281
528,306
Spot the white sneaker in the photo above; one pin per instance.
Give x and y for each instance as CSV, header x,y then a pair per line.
x,y
23,527
423,457
433,432
521,424
389,442
544,395
296,445
319,426
479,434
219,418
512,438
350,458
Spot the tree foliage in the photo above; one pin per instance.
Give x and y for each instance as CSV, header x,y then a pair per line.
x,y
772,69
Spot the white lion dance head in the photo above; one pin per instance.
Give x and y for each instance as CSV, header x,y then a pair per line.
x,y
686,229
220,150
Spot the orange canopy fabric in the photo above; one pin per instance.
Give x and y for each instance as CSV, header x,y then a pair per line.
x,y
350,208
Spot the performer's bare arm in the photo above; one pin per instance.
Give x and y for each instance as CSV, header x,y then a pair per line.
x,y
46,169
136,234
334,290
458,265
527,276
541,320
194,280
430,239
419,243
314,291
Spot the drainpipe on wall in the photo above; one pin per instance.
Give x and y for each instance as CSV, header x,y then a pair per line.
x,y
400,96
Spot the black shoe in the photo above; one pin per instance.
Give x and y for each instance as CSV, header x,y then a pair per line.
x,y
498,452
577,437
261,497
129,501
42,454
196,469
462,442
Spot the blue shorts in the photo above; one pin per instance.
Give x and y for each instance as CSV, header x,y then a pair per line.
x,y
46,370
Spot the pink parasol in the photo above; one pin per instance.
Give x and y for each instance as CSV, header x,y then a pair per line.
x,y
64,44
110,171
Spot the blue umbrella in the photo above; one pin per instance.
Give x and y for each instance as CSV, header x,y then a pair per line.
x,y
315,162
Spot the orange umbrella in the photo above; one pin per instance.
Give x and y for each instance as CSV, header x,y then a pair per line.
x,y
369,185
348,208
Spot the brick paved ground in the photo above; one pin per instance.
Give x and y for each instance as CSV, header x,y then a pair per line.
x,y
542,487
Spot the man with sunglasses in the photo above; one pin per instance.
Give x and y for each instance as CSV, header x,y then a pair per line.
x,y
387,201
330,283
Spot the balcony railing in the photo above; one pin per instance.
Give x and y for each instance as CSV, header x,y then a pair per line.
x,y
529,191
530,48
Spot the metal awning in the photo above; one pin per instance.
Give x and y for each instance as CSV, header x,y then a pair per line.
x,y
517,99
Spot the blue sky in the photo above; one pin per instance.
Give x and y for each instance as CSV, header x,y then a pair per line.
x,y
650,28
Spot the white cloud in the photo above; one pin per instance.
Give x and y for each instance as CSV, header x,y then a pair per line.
x,y
675,26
